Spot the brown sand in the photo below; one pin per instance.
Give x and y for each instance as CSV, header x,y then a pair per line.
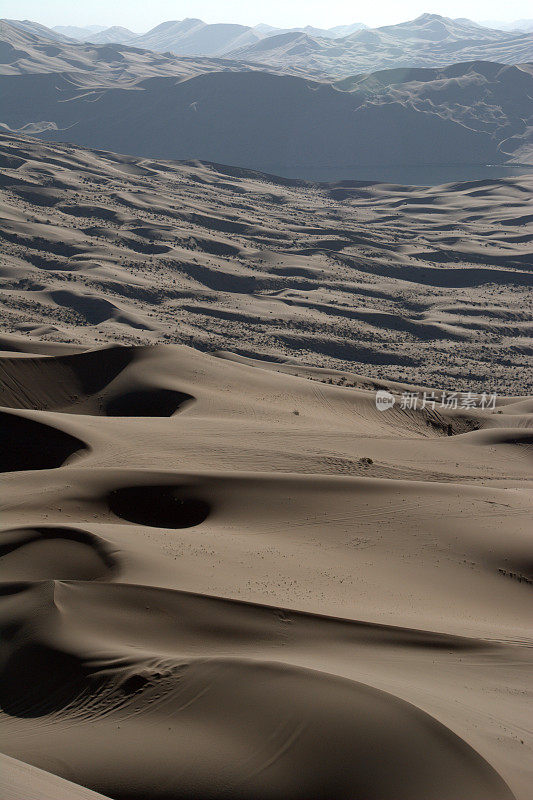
x,y
262,587
223,577
418,285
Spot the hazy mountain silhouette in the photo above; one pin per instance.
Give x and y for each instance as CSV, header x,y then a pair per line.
x,y
98,65
114,34
194,37
80,33
38,30
525,25
428,41
128,100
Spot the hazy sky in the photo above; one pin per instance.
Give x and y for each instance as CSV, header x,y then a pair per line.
x,y
140,15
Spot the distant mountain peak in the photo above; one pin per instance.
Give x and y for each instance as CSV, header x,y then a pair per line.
x,y
114,35
429,16
189,22
118,28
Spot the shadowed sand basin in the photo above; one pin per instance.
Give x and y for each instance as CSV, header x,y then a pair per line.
x,y
28,444
229,578
159,506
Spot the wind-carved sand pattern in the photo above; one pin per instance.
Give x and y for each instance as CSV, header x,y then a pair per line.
x,y
410,283
222,578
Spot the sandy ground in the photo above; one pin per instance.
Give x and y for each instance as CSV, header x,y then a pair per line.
x,y
224,580
229,577
427,286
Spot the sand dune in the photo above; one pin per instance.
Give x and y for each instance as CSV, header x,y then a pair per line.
x,y
424,285
224,571
276,591
18,781
28,444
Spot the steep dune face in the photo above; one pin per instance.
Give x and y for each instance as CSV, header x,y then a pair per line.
x,y
416,284
53,553
19,780
241,601
28,444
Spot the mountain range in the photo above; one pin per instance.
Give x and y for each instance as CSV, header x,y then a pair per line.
x,y
525,25
24,52
275,115
430,40
195,37
128,100
427,41
80,33
191,32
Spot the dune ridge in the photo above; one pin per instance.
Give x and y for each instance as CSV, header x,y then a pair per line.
x,y
266,442
276,591
418,285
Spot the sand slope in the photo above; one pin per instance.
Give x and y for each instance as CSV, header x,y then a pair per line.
x,y
18,781
419,285
260,586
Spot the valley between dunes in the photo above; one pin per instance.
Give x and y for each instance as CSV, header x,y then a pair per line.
x,y
424,285
230,577
223,580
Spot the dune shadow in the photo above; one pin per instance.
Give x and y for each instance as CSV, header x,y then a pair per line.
x,y
50,383
38,680
28,445
334,734
159,506
147,403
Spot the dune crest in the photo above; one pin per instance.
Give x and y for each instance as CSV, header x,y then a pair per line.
x,y
418,285
272,589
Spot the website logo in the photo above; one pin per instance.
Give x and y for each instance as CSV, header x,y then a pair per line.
x,y
384,400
